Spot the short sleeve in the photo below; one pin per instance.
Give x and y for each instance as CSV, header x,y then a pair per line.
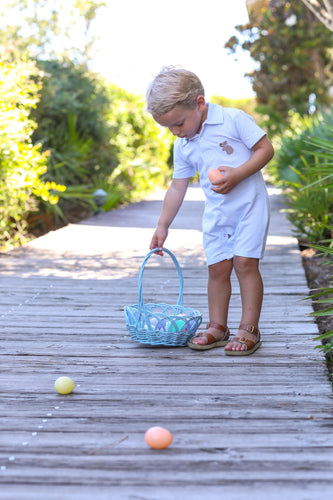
x,y
182,169
249,132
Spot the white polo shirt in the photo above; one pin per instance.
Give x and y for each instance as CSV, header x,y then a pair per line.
x,y
235,223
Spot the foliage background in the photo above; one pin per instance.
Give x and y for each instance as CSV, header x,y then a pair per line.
x,y
68,131
76,132
22,164
293,52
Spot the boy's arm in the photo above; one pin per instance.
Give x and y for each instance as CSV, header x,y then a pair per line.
x,y
263,152
172,202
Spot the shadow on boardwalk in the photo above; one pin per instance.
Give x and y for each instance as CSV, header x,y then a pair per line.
x,y
249,428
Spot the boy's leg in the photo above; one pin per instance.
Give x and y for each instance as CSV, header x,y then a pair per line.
x,y
219,292
251,289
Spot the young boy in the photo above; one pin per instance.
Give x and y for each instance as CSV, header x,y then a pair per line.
x,y
236,216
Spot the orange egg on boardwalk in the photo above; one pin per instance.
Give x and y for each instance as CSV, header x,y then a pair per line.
x,y
215,175
158,438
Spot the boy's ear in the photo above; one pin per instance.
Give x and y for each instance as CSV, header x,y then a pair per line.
x,y
201,102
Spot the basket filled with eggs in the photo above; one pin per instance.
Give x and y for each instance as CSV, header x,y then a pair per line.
x,y
159,323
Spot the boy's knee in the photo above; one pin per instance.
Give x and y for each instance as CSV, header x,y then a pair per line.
x,y
245,265
220,270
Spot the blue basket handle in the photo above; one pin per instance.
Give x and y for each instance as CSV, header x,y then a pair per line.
x,y
180,276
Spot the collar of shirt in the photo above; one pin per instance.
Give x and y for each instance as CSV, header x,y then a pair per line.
x,y
215,115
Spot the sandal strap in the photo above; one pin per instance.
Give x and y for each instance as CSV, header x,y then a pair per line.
x,y
250,329
248,342
210,338
243,340
212,324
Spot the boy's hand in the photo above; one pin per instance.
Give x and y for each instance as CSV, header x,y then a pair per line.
x,y
263,152
229,181
158,239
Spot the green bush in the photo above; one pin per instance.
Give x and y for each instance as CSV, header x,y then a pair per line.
x,y
142,148
65,133
98,137
292,154
310,207
22,164
303,167
71,116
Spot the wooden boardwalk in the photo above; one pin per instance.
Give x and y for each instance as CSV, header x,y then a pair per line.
x,y
256,427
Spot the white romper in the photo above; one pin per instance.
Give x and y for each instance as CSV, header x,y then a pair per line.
x,y
235,223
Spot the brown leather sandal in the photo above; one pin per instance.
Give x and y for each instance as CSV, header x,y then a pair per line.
x,y
251,346
211,340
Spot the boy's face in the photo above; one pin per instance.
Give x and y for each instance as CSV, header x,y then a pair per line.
x,y
184,122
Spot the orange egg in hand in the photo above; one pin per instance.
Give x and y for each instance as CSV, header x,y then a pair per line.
x,y
158,438
215,175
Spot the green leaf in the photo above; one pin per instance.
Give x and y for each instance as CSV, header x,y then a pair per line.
x,y
324,336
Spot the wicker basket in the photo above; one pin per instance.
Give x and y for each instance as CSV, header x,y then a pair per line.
x,y
162,324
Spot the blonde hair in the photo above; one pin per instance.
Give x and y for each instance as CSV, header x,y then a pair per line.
x,y
173,87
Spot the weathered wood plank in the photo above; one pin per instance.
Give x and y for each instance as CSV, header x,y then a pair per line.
x,y
275,489
244,428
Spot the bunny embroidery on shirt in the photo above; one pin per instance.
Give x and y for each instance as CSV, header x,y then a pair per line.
x,y
225,146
